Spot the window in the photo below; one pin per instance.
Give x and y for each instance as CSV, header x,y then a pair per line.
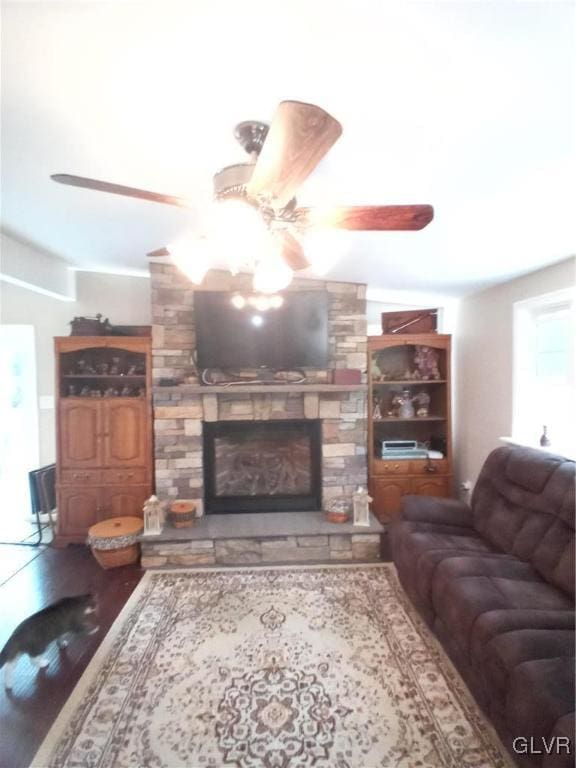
x,y
544,381
19,419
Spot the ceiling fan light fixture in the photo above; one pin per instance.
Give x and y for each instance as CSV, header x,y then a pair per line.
x,y
239,234
192,257
272,275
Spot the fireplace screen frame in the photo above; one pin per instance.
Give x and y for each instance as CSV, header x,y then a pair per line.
x,y
218,504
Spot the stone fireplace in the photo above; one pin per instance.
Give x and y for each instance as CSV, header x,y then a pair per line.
x,y
189,416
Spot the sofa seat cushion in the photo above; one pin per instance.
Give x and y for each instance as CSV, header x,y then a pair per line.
x,y
462,601
540,695
494,623
418,549
506,651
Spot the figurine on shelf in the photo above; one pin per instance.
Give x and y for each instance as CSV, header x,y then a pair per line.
x,y
426,361
95,393
377,413
131,370
111,392
71,390
405,407
422,400
394,405
85,392
126,392
102,368
375,370
115,367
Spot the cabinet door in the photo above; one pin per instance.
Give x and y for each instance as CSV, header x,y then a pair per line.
x,y
125,439
80,428
431,486
387,496
78,509
124,502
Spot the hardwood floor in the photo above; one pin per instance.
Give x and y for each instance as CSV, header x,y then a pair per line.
x,y
32,579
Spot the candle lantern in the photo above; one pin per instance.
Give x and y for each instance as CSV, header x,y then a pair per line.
x,y
153,516
361,510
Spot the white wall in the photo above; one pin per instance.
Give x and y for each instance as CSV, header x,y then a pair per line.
x,y
125,300
23,264
484,362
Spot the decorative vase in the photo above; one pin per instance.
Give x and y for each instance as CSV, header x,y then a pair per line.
x,y
544,439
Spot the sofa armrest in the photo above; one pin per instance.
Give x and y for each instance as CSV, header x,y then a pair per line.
x,y
430,509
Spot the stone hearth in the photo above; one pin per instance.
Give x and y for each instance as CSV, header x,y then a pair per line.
x,y
262,538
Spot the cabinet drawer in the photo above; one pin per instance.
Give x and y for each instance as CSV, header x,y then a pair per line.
x,y
388,467
129,476
77,476
420,467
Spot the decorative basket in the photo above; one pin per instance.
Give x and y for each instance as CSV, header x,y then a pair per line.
x,y
114,542
182,513
338,509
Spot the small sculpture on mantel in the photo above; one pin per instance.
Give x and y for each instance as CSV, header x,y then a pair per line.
x,y
153,516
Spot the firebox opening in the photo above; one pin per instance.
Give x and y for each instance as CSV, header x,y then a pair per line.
x,y
268,466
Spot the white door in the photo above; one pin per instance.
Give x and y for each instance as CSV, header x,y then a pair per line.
x,y
19,441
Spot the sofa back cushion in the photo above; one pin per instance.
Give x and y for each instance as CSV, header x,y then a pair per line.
x,y
523,503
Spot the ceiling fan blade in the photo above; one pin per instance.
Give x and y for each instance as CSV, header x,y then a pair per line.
x,y
300,135
367,217
118,189
292,252
159,252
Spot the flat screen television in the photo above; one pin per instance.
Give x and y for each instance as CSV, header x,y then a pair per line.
x,y
292,336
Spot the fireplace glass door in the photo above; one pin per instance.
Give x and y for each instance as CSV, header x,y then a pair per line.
x,y
271,466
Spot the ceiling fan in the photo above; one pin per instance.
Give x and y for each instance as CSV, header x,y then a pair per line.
x,y
282,156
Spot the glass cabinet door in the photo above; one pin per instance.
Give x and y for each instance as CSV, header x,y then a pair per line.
x,y
103,372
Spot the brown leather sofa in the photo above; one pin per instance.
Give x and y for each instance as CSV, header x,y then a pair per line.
x,y
495,582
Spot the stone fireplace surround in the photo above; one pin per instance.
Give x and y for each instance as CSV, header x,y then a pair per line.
x,y
181,411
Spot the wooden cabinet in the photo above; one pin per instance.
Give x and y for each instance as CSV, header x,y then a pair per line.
x,y
104,423
80,430
409,424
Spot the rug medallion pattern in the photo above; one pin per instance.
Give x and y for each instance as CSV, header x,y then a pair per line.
x,y
326,667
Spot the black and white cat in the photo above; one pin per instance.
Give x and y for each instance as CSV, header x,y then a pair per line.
x,y
33,636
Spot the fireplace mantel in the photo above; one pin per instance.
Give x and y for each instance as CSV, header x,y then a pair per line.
x,y
258,388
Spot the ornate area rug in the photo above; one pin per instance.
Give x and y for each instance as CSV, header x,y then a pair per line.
x,y
280,668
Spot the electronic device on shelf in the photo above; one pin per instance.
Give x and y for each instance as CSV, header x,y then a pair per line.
x,y
407,449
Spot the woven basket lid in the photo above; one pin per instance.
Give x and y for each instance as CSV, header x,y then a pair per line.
x,y
116,526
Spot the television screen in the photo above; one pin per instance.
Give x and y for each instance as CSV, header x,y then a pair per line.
x,y
293,336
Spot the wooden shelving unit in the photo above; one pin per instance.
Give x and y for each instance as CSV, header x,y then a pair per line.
x,y
104,424
392,370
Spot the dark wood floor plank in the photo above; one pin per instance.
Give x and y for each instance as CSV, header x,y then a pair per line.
x,y
27,712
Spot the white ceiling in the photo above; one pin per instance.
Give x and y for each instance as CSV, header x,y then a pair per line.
x,y
467,105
